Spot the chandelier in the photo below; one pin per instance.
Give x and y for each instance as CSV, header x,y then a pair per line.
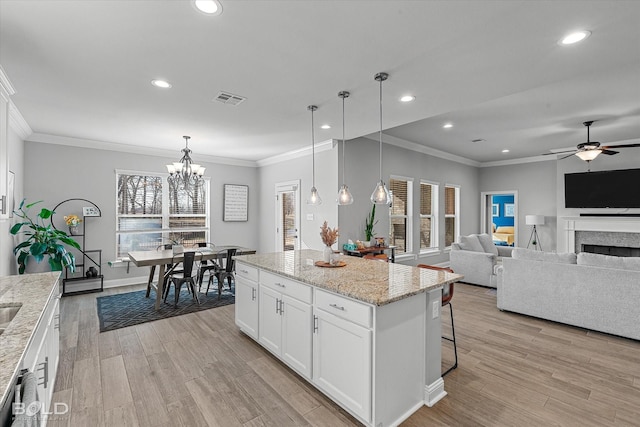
x,y
185,171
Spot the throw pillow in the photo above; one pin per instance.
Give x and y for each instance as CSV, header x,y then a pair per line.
x,y
487,244
522,253
471,243
598,260
563,258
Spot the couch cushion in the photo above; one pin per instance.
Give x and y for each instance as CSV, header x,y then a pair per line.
x,y
487,244
471,243
618,262
562,258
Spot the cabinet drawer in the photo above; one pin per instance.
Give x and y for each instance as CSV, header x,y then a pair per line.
x,y
343,307
286,286
248,272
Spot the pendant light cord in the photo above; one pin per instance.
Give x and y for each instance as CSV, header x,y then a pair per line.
x,y
381,80
344,179
313,151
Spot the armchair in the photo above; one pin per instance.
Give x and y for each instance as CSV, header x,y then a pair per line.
x,y
477,258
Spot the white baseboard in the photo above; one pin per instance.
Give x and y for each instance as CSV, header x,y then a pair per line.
x,y
116,283
434,392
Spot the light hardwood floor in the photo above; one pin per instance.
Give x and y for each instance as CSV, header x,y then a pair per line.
x,y
198,370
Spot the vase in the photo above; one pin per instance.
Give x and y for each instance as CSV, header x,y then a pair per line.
x,y
73,230
326,254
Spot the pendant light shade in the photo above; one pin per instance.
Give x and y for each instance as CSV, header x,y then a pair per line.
x,y
381,195
314,197
344,195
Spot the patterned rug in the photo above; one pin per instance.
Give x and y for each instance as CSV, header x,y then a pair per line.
x,y
132,308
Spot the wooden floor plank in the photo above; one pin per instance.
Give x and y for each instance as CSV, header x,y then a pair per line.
x,y
115,383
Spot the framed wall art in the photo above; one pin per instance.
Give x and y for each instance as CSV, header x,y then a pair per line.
x,y
236,202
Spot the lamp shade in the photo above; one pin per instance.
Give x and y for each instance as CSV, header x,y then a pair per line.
x,y
534,219
588,155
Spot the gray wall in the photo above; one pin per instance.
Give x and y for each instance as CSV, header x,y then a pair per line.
x,y
300,169
58,172
362,160
536,186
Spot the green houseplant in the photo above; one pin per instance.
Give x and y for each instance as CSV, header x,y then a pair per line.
x,y
369,223
42,240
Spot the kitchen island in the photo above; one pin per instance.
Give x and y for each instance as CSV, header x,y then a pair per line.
x,y
368,334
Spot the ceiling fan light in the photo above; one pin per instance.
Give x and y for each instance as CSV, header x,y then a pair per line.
x,y
588,155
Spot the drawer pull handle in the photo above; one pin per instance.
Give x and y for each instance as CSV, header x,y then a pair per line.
x,y
57,325
315,323
277,305
245,271
279,284
337,307
253,294
281,307
44,366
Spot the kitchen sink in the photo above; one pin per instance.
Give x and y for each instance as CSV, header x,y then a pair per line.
x,y
7,313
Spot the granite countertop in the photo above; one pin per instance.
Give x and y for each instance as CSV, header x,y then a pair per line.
x,y
371,281
33,291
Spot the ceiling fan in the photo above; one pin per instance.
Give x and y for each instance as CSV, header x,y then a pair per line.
x,y
589,150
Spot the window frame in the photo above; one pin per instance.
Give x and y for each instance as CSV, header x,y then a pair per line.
x,y
456,216
435,235
166,216
408,246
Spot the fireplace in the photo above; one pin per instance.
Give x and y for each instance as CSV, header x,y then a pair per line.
x,y
611,250
618,236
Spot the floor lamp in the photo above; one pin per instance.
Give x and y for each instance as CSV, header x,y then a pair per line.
x,y
534,220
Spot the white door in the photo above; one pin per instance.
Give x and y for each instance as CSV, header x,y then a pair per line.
x,y
287,216
247,306
296,335
270,320
342,362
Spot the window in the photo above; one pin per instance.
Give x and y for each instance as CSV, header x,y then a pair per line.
x,y
151,212
400,214
428,215
451,214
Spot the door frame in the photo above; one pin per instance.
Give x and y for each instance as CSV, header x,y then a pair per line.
x,y
485,211
281,187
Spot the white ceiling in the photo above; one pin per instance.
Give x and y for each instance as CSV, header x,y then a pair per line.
x,y
82,69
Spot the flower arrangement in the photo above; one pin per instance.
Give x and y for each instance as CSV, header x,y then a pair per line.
x,y
329,236
72,220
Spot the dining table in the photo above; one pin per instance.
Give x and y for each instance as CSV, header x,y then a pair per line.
x,y
161,258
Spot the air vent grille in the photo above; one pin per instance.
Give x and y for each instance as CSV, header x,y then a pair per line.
x,y
229,98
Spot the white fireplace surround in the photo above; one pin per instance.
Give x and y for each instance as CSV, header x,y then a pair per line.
x,y
613,231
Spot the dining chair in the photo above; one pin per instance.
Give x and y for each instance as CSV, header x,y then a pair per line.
x,y
168,269
378,257
188,275
447,295
224,273
206,265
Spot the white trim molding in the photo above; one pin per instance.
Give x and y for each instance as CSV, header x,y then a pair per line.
x,y
434,392
296,154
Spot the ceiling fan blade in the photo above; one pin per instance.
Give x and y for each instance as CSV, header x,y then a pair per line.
x,y
609,152
621,146
558,152
565,157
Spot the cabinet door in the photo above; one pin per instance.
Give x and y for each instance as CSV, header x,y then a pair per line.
x,y
342,362
270,331
247,306
297,335
53,346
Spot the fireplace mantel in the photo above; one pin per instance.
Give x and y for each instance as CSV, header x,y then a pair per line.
x,y
611,224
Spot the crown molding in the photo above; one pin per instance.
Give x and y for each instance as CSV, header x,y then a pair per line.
x,y
392,140
295,154
520,161
18,123
5,84
126,148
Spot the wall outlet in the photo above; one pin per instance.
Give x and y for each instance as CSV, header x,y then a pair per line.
x,y
436,310
309,217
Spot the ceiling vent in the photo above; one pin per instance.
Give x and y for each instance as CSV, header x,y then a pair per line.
x,y
475,141
229,98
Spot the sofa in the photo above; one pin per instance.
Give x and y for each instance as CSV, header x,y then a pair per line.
x,y
477,257
504,235
591,291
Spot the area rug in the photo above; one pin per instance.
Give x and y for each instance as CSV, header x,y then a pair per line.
x,y
132,308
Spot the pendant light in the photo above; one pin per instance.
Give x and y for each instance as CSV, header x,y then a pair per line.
x,y
344,195
380,195
314,197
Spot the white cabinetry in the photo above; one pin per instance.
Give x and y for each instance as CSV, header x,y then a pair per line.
x,y
41,356
247,299
285,320
342,360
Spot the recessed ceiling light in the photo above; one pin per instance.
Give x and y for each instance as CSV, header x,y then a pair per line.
x,y
210,7
447,125
161,84
505,151
475,141
407,98
574,37
325,127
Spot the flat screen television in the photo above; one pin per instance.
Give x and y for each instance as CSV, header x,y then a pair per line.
x,y
603,189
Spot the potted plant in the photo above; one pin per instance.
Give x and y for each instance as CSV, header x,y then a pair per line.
x,y
73,221
42,240
369,223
